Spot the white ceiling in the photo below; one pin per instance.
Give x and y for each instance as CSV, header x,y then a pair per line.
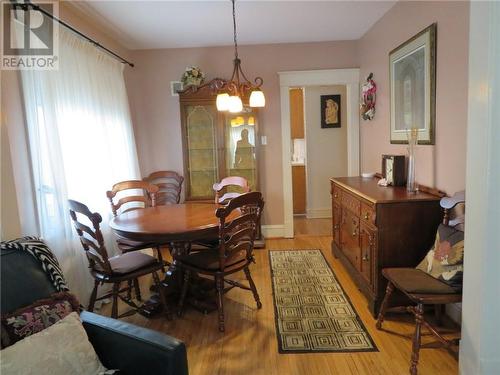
x,y
173,24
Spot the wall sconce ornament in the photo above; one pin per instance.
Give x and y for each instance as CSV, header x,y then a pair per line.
x,y
368,98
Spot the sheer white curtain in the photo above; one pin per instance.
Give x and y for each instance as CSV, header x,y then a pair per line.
x,y
81,143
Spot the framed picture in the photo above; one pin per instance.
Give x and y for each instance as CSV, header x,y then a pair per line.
x,y
412,71
330,111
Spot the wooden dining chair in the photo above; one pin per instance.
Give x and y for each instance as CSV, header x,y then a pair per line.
x,y
169,184
234,253
221,188
133,195
436,281
125,267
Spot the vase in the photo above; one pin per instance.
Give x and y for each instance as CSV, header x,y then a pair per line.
x,y
411,185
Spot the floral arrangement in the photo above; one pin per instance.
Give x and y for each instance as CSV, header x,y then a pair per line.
x,y
193,76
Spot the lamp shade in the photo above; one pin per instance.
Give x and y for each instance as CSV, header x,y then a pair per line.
x,y
257,99
222,102
235,104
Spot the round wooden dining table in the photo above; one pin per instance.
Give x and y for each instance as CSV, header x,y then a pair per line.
x,y
177,226
174,223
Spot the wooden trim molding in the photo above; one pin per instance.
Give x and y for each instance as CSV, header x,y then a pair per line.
x,y
347,77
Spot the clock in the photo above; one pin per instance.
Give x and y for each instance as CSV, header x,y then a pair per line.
x,y
393,169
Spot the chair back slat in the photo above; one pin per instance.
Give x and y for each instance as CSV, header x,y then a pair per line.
x,y
84,228
236,237
130,202
94,248
232,182
169,184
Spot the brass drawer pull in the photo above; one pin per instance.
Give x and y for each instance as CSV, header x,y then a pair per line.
x,y
354,233
367,216
336,226
365,257
335,195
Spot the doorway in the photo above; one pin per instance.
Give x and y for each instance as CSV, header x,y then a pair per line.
x,y
289,80
319,152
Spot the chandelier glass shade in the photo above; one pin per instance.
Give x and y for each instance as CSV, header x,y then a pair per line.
x,y
230,93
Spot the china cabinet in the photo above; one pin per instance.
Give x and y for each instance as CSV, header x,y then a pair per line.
x,y
216,144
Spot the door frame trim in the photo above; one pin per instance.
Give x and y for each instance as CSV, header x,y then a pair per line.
x,y
347,77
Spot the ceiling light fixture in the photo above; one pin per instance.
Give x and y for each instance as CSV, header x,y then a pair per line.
x,y
232,91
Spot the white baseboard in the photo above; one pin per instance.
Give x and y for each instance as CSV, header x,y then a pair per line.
x,y
319,213
454,311
270,231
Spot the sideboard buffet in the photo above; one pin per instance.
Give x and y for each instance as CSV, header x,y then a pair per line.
x,y
376,227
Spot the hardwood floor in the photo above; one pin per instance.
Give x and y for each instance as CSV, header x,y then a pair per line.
x,y
311,227
249,345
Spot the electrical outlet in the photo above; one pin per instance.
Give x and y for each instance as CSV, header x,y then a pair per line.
x,y
263,140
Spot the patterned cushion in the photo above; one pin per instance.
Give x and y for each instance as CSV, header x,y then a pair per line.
x,y
36,317
61,349
444,261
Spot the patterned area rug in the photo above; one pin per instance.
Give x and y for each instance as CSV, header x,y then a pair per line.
x,y
312,311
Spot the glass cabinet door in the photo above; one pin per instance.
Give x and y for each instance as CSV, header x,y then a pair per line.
x,y
240,151
201,143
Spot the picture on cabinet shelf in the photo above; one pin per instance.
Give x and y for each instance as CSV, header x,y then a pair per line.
x,y
330,111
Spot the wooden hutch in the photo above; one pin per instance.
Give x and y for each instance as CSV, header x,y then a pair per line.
x,y
216,144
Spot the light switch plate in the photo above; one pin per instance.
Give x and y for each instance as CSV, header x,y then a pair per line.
x,y
263,140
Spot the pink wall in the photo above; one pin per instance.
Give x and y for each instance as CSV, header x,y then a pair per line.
x,y
156,113
442,165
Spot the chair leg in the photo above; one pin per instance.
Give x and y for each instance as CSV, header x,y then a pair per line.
x,y
219,285
160,258
383,306
438,313
114,308
137,289
129,290
93,297
163,297
185,287
419,317
253,287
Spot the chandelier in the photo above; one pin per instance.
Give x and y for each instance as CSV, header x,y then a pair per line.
x,y
231,92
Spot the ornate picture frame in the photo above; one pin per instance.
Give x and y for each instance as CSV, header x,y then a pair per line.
x,y
412,76
331,115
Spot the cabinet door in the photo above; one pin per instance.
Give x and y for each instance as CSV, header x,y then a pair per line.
x,y
349,237
200,142
368,242
336,223
241,145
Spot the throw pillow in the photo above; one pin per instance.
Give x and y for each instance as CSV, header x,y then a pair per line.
x,y
444,261
61,349
36,317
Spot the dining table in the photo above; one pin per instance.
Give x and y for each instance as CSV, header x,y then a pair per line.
x,y
176,226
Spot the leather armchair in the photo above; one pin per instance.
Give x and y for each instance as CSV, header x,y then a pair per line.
x,y
119,345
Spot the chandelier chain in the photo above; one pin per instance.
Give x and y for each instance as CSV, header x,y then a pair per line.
x,y
234,30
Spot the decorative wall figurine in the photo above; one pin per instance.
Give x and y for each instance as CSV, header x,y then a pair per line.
x,y
368,98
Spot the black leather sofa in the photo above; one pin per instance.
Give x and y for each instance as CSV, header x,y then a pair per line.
x,y
119,345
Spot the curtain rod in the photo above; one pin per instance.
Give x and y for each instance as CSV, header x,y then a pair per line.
x,y
24,6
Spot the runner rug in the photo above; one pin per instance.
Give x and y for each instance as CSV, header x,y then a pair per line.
x,y
312,311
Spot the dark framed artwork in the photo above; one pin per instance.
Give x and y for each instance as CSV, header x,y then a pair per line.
x,y
330,111
412,71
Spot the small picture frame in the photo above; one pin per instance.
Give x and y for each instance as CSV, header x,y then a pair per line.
x,y
175,87
330,111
